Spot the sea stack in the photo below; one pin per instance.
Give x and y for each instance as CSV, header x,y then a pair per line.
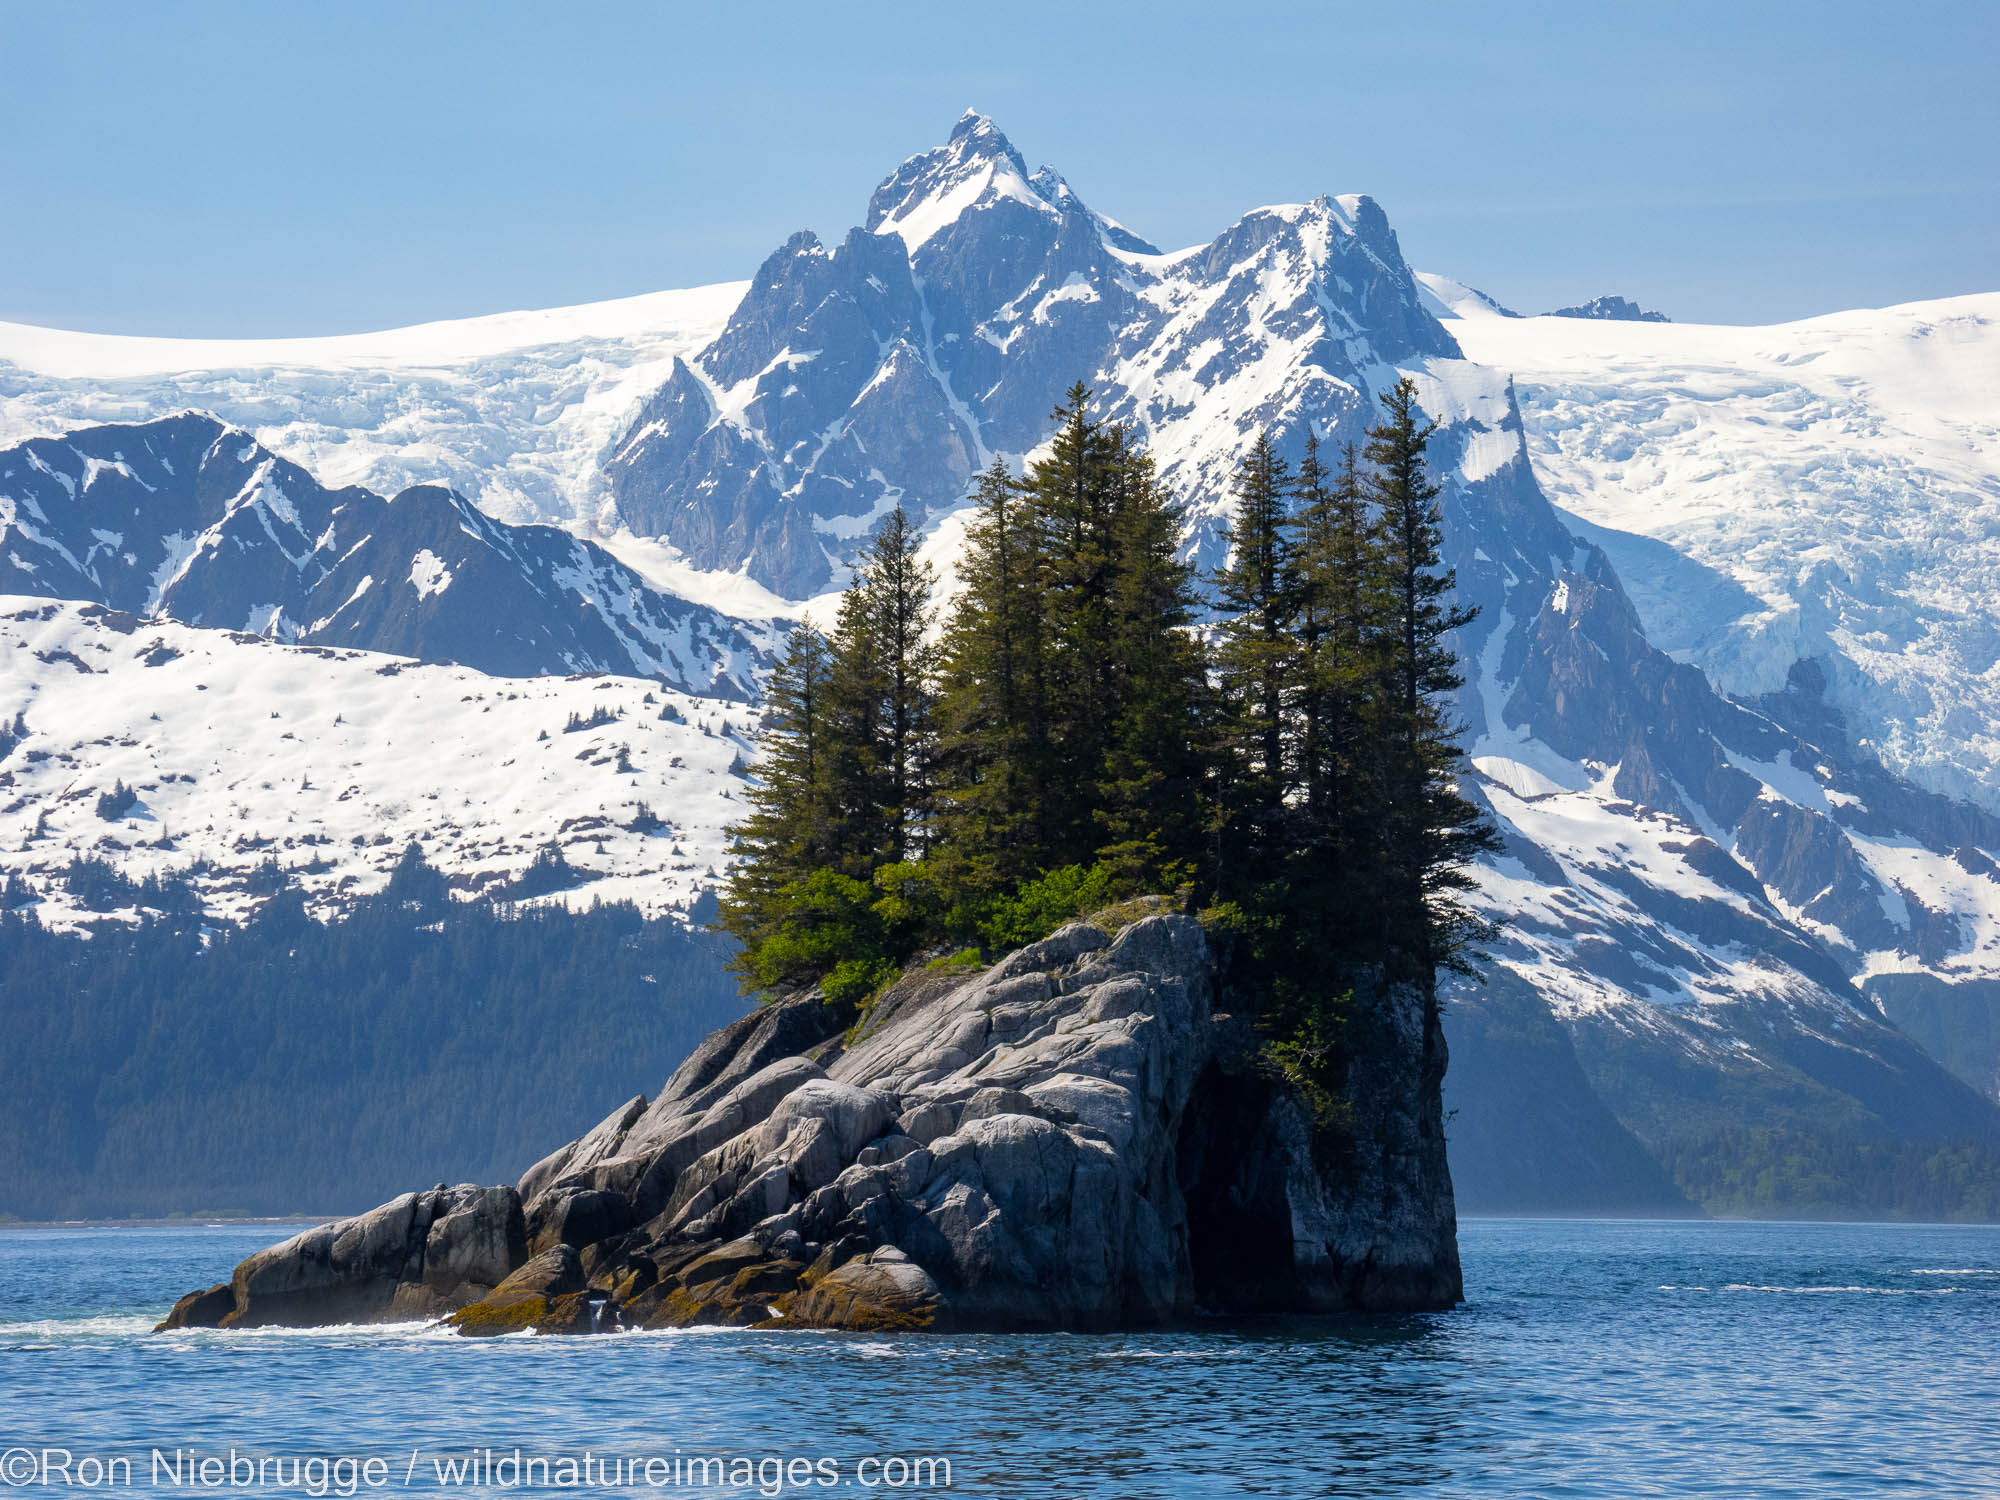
x,y
1071,1138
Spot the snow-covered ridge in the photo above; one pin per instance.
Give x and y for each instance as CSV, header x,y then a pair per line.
x,y
330,761
1827,490
188,518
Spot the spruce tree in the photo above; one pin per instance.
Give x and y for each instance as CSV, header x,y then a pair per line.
x,y
994,757
1105,765
1069,511
1149,788
1346,625
843,804
902,584
1430,831
1257,656
881,729
787,835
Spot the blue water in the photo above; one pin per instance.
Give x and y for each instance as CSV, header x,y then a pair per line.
x,y
1591,1359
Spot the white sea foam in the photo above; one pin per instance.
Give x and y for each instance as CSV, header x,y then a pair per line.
x,y
1860,1291
55,1328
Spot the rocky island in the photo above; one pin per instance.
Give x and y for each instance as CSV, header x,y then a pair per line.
x,y
1071,1138
959,1108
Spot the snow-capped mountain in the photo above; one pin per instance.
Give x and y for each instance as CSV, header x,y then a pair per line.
x,y
186,519
942,332
1715,905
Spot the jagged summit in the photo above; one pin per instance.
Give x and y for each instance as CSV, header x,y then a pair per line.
x,y
978,168
941,333
975,167
1327,227
1615,309
1055,188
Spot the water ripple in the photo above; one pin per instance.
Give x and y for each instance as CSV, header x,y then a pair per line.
x,y
1592,1360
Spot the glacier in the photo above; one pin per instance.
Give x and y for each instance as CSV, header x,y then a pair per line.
x,y
1824,491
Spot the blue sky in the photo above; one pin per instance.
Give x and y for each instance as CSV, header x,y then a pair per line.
x,y
250,169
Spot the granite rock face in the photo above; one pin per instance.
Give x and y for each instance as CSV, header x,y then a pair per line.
x,y
416,1256
1068,1139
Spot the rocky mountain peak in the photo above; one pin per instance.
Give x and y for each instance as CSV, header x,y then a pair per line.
x,y
942,332
1613,308
977,132
930,191
1054,187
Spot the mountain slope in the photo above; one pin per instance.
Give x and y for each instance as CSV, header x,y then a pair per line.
x,y
187,519
237,751
1824,492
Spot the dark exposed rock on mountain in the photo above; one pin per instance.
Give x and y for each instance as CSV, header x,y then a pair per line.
x,y
194,521
1069,1139
1619,309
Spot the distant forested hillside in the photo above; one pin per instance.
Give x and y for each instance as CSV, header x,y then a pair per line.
x,y
290,1066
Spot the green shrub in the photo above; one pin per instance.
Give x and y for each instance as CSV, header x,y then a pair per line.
x,y
853,980
965,958
1311,1056
829,921
1038,907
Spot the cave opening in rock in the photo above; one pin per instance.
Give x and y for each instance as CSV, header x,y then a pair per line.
x,y
1232,1179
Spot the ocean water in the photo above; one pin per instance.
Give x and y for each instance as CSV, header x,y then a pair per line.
x,y
1591,1359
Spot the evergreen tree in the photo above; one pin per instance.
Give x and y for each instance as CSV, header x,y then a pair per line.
x,y
1345,625
1077,611
788,832
844,806
994,754
1430,831
1257,656
900,584
1149,788
1070,514
881,730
